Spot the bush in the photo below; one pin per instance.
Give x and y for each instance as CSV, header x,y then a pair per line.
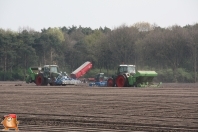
x,y
12,76
184,76
166,75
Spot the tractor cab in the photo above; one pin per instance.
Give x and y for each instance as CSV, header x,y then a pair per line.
x,y
100,77
51,70
122,69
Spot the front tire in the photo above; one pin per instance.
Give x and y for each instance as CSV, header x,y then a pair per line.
x,y
45,81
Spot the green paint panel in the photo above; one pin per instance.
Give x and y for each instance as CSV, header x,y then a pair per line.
x,y
32,72
131,80
146,74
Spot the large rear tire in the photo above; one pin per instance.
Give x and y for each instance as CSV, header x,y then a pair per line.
x,y
120,81
39,79
110,82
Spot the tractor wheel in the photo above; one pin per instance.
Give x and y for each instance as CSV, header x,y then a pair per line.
x,y
45,81
52,82
110,82
39,79
120,81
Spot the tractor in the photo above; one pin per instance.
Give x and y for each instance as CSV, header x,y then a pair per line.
x,y
99,80
49,74
128,76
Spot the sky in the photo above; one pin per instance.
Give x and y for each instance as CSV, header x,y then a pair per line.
x,y
39,14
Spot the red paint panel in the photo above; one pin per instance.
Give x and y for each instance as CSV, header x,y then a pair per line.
x,y
84,68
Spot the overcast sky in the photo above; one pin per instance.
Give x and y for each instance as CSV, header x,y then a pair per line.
x,y
39,14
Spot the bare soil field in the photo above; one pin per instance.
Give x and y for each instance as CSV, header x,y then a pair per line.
x,y
172,107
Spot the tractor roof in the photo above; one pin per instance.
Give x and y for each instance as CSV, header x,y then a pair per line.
x,y
50,66
126,65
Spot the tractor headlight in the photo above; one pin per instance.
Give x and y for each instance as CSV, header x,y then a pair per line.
x,y
127,74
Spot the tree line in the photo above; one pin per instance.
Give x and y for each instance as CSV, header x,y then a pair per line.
x,y
171,51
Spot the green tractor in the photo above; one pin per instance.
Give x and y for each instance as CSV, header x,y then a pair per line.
x,y
41,76
128,76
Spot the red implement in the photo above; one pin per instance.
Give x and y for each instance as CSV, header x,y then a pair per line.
x,y
84,68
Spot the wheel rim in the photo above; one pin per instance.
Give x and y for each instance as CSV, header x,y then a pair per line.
x,y
120,81
110,82
39,80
